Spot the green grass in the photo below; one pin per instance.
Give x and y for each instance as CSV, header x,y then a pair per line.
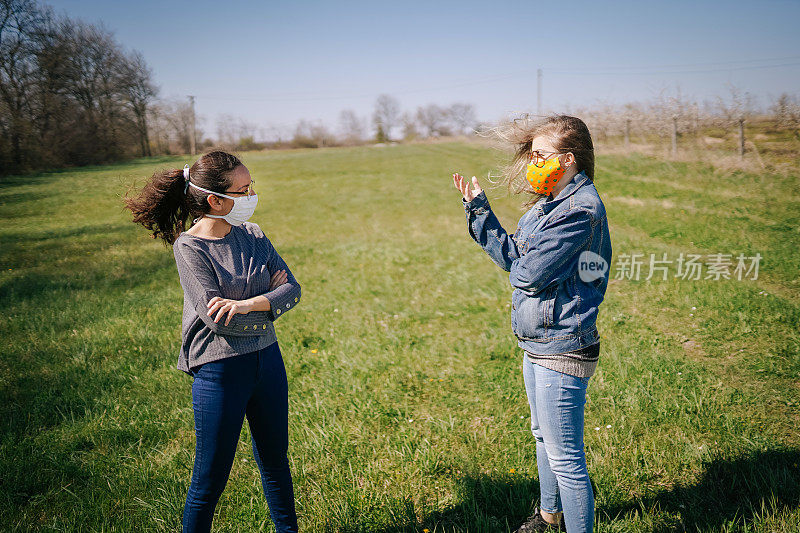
x,y
408,410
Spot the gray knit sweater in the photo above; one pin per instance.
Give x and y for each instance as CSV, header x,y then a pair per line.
x,y
580,363
237,266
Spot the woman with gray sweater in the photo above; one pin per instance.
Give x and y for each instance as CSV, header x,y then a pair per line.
x,y
235,286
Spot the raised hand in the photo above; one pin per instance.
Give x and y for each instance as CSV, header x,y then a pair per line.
x,y
462,185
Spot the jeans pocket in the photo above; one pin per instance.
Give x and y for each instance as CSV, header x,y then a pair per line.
x,y
211,371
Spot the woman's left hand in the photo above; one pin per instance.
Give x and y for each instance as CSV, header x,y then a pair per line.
x,y
224,305
278,278
463,187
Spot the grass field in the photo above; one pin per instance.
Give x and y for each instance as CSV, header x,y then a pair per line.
x,y
408,410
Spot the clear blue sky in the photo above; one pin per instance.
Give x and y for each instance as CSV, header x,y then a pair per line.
x,y
274,63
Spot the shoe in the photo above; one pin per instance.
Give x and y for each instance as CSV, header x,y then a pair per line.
x,y
537,523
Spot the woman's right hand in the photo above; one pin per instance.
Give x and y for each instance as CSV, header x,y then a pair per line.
x,y
278,278
462,185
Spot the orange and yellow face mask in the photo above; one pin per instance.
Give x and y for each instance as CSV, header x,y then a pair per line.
x,y
544,179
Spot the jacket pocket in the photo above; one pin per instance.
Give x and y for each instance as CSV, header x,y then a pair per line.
x,y
549,305
529,316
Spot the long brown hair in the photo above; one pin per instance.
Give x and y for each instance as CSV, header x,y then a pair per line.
x,y
162,206
567,133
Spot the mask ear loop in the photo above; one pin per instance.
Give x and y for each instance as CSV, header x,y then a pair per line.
x,y
186,178
186,188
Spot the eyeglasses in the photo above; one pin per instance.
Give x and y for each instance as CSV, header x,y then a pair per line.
x,y
249,190
538,157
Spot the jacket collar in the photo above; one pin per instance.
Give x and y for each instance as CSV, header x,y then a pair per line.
x,y
544,206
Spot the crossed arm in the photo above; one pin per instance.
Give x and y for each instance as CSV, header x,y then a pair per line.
x,y
244,317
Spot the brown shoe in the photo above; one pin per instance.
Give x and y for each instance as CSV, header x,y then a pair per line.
x,y
537,523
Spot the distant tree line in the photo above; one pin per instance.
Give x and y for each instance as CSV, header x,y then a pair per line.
x,y
69,93
387,123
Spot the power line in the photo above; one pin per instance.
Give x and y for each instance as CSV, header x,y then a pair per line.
x,y
691,68
656,72
690,65
277,98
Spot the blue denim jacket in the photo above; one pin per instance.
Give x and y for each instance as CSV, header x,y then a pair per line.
x,y
553,310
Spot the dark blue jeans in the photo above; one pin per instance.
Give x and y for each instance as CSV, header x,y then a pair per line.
x,y
223,393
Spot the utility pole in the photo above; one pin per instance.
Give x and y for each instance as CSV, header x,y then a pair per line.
x,y
741,137
193,142
538,91
674,135
627,132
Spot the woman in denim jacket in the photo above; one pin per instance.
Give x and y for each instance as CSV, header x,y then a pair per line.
x,y
558,260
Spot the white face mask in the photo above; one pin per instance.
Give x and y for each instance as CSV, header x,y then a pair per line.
x,y
243,207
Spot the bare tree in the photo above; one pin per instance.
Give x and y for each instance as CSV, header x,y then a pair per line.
x,y
385,117
433,120
276,133
140,92
56,115
462,117
158,127
235,131
786,111
312,135
739,104
226,128
352,126
69,93
21,21
409,123
92,58
178,115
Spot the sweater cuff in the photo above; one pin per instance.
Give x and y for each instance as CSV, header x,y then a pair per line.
x,y
282,299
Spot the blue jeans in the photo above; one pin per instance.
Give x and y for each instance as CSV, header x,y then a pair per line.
x,y
557,401
223,393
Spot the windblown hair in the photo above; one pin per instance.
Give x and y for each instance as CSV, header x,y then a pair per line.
x,y
163,208
568,134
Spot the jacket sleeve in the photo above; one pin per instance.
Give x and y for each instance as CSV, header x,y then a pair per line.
x,y
551,249
486,230
286,296
200,285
